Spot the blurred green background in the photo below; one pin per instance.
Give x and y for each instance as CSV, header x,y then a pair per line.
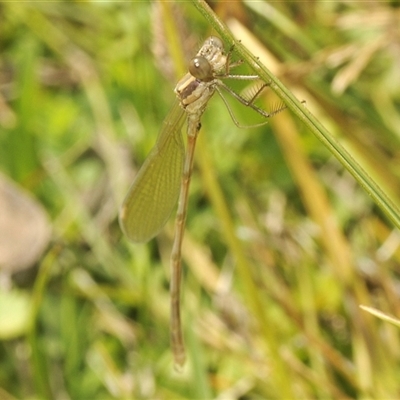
x,y
281,246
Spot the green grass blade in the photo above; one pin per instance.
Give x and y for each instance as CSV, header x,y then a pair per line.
x,y
342,155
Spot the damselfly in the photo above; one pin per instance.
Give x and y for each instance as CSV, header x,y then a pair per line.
x,y
165,175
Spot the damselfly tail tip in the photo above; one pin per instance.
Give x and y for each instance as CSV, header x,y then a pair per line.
x,y
179,362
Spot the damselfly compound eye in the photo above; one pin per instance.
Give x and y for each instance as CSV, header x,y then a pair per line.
x,y
216,42
200,68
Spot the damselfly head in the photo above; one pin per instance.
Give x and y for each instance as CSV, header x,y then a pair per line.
x,y
209,60
213,51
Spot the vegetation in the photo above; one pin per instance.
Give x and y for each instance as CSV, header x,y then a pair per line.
x,y
283,245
